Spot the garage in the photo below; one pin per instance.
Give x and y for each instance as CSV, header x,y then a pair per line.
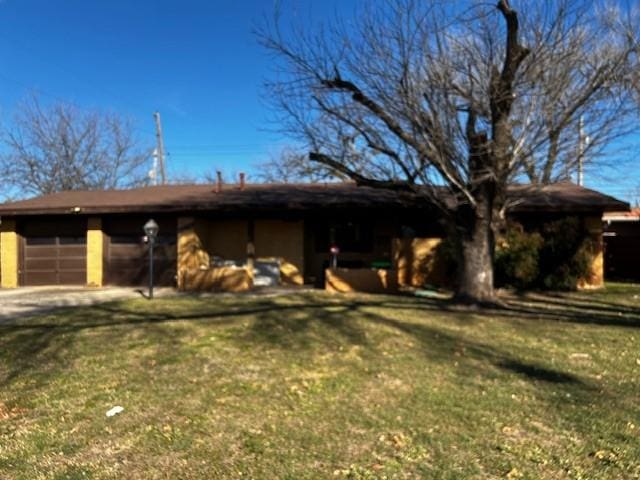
x,y
622,259
126,255
54,253
621,240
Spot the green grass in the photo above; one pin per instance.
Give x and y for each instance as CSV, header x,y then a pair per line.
x,y
312,385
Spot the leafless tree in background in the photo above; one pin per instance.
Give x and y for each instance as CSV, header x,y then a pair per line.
x,y
291,166
452,101
58,147
582,59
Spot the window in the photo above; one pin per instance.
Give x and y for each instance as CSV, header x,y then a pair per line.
x,y
353,237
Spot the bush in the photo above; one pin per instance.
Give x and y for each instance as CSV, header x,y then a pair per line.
x,y
517,258
565,257
555,258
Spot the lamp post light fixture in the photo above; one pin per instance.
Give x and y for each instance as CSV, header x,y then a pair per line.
x,y
151,229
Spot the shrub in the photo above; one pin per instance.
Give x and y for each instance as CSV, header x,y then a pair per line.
x,y
517,258
556,257
566,256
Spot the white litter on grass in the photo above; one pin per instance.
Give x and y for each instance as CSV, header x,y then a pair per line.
x,y
115,410
580,356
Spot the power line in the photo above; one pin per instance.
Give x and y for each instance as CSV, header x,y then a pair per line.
x,y
214,154
217,152
219,145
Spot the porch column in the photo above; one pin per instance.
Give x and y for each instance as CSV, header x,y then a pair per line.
x,y
251,246
191,252
596,274
8,253
95,245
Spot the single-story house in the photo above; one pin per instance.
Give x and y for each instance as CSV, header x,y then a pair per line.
x,y
219,236
622,244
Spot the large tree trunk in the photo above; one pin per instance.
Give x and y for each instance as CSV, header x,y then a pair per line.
x,y
475,282
476,248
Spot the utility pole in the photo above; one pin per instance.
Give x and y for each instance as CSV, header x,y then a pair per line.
x,y
153,173
581,144
160,148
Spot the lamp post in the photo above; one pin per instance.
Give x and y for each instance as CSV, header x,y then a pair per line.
x,y
151,231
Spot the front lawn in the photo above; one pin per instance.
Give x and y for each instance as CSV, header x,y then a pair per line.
x,y
312,385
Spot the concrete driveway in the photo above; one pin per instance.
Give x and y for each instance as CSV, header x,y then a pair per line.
x,y
30,300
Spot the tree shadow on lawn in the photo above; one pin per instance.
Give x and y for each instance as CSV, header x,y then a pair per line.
x,y
592,301
439,345
569,308
576,308
44,344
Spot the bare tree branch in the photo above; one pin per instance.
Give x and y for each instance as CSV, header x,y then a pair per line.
x,y
456,100
58,148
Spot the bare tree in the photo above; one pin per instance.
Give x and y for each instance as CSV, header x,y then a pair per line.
x,y
575,79
59,147
292,166
450,101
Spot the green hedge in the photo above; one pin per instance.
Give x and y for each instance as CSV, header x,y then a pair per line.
x,y
517,260
555,257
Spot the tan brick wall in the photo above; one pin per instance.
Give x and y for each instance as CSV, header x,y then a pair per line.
x,y
346,280
219,279
417,261
9,252
95,246
596,277
283,240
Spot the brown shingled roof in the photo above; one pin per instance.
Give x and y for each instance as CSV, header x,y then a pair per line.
x,y
270,197
564,197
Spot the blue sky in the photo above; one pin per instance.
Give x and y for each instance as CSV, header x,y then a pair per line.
x,y
197,62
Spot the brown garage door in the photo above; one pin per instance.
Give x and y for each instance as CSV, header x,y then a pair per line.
x,y
54,260
127,256
54,251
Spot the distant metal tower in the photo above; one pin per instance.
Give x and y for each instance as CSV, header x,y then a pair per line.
x,y
153,173
160,148
583,141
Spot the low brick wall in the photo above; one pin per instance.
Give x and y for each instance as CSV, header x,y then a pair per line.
x,y
218,279
418,262
289,273
366,280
